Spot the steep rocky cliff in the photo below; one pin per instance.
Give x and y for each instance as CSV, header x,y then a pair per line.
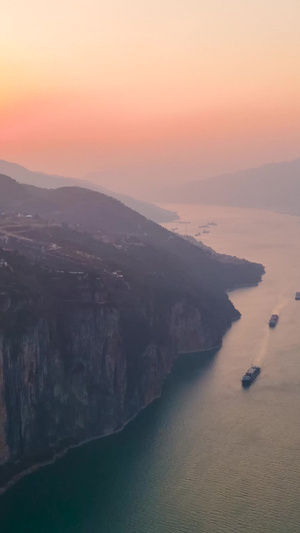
x,y
75,368
89,329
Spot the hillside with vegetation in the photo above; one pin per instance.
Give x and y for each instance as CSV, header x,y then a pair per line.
x,y
53,181
96,303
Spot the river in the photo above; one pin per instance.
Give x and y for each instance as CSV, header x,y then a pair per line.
x,y
208,456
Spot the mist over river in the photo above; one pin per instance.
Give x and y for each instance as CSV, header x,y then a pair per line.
x,y
208,456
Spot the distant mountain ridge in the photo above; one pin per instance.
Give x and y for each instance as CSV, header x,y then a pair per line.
x,y
275,186
54,181
90,211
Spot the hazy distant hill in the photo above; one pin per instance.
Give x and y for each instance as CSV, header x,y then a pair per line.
x,y
97,213
274,186
48,181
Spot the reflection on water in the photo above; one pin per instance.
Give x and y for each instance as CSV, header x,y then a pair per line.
x,y
87,486
208,456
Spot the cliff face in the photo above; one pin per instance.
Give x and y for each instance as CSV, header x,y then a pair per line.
x,y
90,326
82,370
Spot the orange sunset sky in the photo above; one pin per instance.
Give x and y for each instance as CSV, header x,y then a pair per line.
x,y
147,91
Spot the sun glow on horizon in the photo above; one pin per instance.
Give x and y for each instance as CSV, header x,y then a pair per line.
x,y
119,82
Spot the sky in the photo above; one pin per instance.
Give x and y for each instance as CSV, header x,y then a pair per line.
x,y
139,93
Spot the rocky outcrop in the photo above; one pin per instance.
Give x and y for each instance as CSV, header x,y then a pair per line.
x,y
90,326
77,370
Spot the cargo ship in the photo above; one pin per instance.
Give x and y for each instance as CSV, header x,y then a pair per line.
x,y
250,375
273,321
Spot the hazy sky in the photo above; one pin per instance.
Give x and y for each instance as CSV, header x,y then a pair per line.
x,y
145,90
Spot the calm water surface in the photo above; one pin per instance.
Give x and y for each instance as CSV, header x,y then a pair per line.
x,y
208,457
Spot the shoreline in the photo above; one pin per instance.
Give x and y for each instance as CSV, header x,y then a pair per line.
x,y
15,479
59,455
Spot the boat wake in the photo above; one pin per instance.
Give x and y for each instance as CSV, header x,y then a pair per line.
x,y
280,306
263,349
265,342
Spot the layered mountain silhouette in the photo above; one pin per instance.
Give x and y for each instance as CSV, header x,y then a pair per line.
x,y
53,181
275,186
88,211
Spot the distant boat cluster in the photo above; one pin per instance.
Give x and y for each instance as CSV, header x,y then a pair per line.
x,y
205,227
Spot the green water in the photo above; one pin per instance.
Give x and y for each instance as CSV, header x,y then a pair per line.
x,y
207,456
